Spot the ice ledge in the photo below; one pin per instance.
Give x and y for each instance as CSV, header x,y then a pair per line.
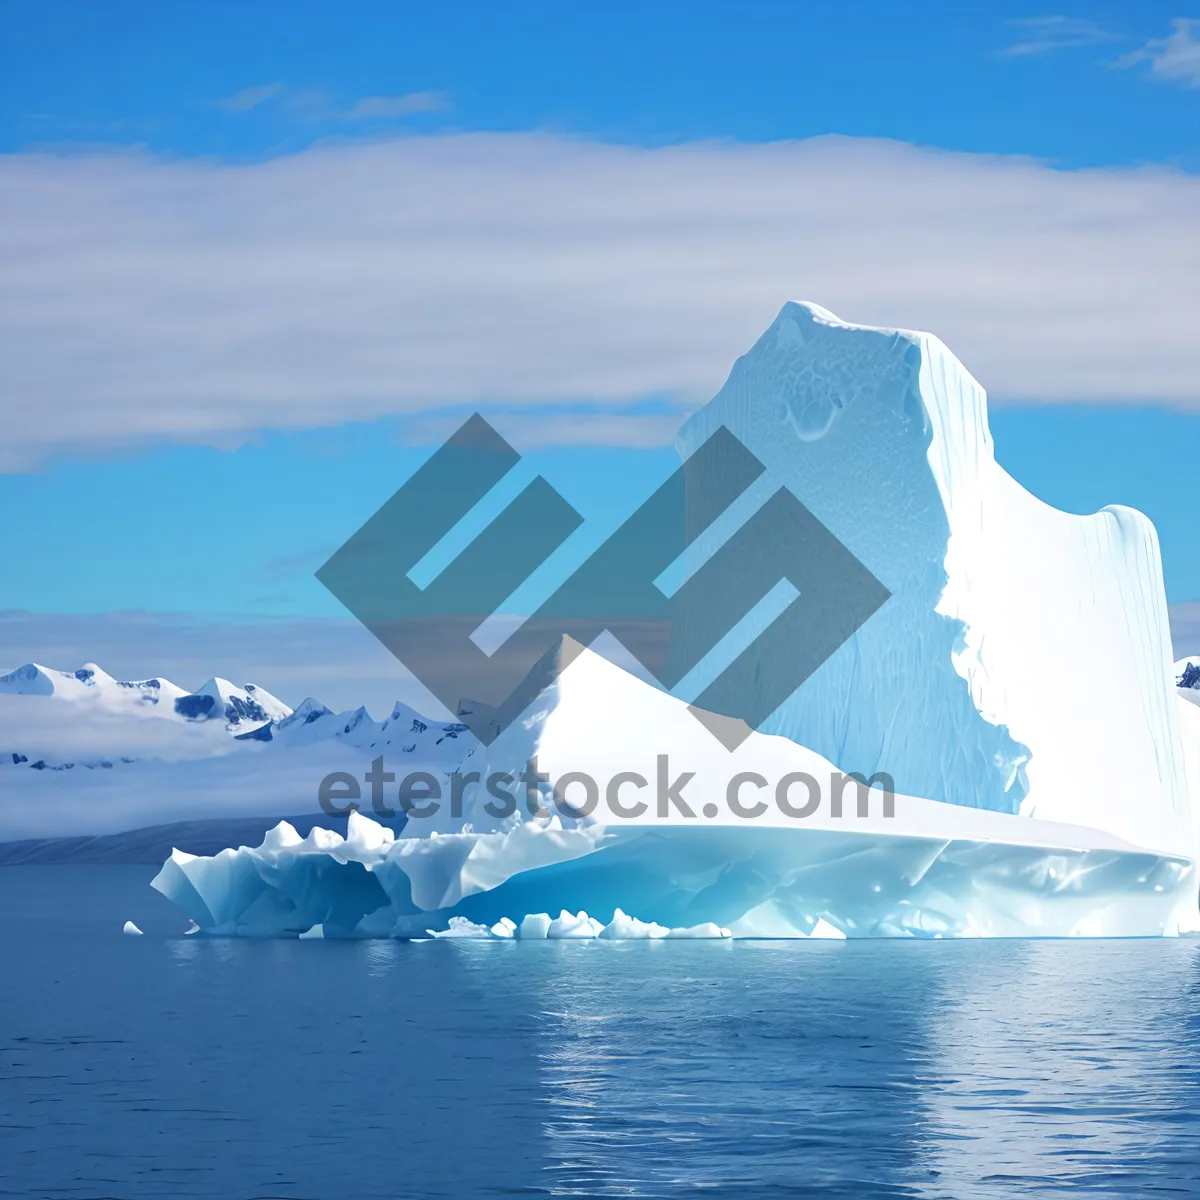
x,y
755,882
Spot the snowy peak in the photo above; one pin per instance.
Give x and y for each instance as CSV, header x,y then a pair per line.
x,y
88,682
249,704
405,732
35,680
308,711
51,719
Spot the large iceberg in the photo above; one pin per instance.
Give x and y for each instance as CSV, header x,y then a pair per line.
x,y
1023,805
882,866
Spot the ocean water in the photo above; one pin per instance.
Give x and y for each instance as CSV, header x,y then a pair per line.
x,y
181,1066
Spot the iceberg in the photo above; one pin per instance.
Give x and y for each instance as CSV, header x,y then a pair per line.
x,y
929,869
1005,802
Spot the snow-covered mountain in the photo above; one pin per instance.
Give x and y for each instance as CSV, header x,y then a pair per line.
x,y
84,754
403,732
91,683
51,719
160,698
238,706
59,720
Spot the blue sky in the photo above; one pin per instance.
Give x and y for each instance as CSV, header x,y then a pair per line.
x,y
937,74
194,420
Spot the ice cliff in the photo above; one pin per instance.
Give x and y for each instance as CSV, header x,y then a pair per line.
x,y
964,685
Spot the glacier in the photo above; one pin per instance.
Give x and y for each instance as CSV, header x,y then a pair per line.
x,y
1019,805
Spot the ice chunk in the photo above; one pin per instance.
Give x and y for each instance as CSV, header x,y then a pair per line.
x,y
626,928
316,931
503,928
535,926
460,927
578,926
131,929
705,930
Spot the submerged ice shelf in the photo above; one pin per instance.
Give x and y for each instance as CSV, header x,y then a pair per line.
x,y
1022,807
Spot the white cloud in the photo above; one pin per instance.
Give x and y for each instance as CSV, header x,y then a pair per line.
x,y
532,429
1042,35
375,107
41,727
250,98
145,300
1173,59
316,104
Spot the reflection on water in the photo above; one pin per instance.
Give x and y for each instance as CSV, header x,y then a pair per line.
x,y
174,1066
957,1071
1071,1067
748,1066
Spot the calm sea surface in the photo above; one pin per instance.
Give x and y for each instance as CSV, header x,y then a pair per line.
x,y
177,1067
